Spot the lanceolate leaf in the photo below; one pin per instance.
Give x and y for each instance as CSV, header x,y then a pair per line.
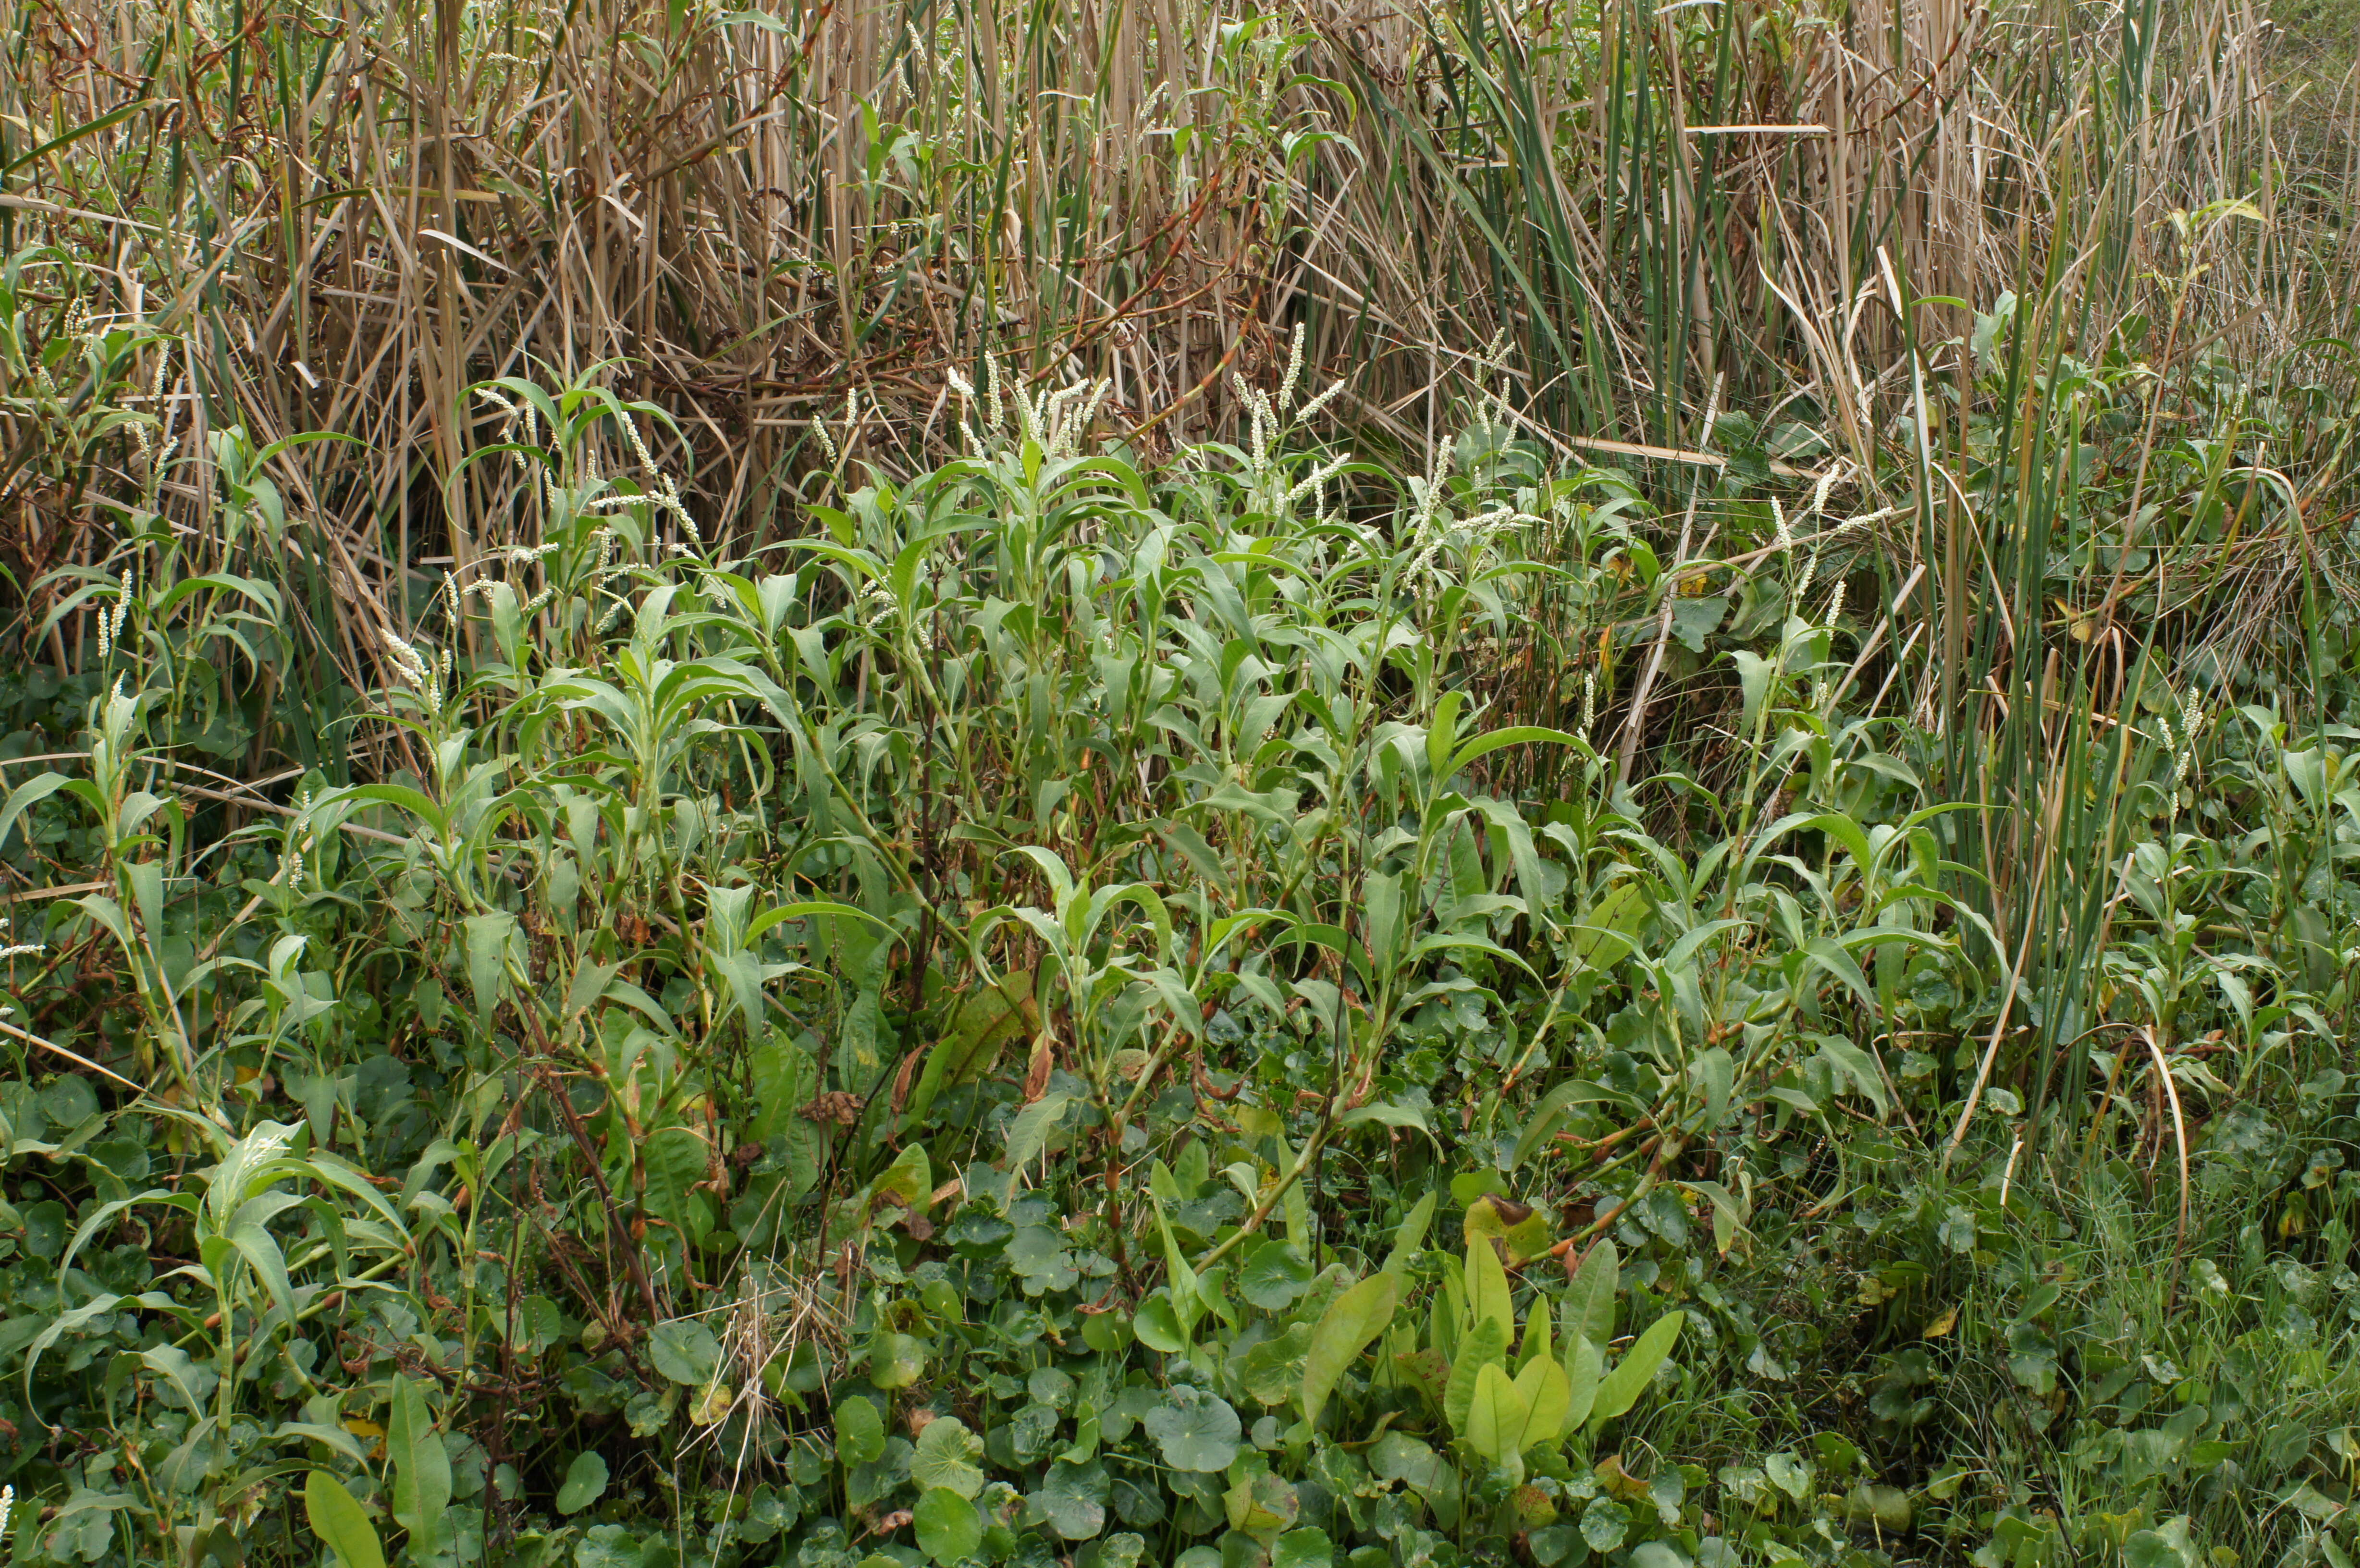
x,y
1484,1345
421,1466
1544,1392
1351,1321
1536,1345
1495,1414
1608,932
23,796
1487,1285
1584,1363
488,947
337,1519
1589,1306
1631,1374
1030,1130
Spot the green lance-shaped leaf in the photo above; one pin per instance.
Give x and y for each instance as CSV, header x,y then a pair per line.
x,y
1608,932
488,936
338,1521
1495,1414
1486,1344
1351,1321
1584,1364
21,799
1028,1131
421,1466
1536,1345
1588,1307
1487,1285
1546,1394
1716,1070
1631,1374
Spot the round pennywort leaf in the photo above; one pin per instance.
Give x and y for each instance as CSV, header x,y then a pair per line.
x,y
1197,1431
948,1526
684,1351
586,1483
946,1458
1604,1524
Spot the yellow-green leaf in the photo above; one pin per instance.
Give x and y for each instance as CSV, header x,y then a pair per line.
x,y
1584,1362
1589,1305
1487,1286
1536,1336
1495,1415
1631,1374
1546,1394
1483,1346
421,1465
1521,1231
1604,936
338,1520
1351,1321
